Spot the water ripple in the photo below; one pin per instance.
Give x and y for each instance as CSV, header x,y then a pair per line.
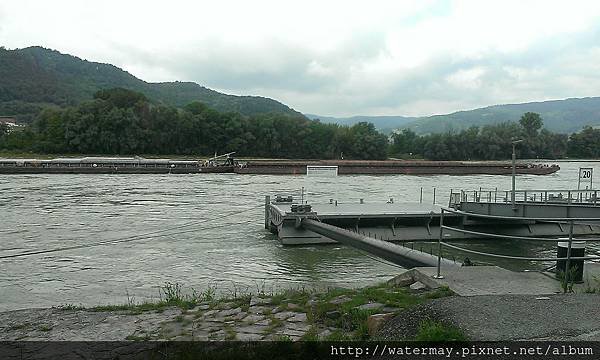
x,y
50,211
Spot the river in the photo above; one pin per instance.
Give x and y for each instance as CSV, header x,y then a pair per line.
x,y
189,235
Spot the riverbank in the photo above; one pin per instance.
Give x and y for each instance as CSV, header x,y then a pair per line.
x,y
383,312
293,315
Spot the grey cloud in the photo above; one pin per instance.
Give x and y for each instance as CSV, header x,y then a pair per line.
x,y
551,58
219,66
282,71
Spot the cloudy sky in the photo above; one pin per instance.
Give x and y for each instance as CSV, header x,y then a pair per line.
x,y
336,58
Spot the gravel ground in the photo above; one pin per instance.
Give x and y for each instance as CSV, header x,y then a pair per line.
x,y
506,317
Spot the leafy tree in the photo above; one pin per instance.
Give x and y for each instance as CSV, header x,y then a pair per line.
x,y
51,131
196,107
403,142
120,97
532,123
585,144
363,141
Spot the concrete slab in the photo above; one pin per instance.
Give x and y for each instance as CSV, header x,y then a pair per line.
x,y
492,280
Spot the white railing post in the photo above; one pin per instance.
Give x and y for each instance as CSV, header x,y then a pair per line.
x,y
439,263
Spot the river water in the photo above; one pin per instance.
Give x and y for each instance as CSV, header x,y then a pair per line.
x,y
192,231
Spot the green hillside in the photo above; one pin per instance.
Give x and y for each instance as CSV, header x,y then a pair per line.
x,y
383,123
34,77
563,116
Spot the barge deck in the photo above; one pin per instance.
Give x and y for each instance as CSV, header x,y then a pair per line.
x,y
409,167
137,165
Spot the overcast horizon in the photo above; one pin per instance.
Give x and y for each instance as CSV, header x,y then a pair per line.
x,y
413,58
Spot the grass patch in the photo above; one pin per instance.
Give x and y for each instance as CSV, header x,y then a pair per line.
x,y
231,334
283,338
71,307
436,331
591,289
19,326
311,335
275,323
352,319
296,296
440,292
338,335
137,337
241,302
45,327
567,283
171,295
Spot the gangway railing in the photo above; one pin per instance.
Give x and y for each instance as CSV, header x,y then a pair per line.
x,y
569,220
585,196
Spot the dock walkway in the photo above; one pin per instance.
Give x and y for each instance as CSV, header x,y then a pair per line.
x,y
494,280
375,210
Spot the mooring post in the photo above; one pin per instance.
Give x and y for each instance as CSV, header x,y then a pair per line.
x,y
439,263
568,262
434,195
421,198
267,219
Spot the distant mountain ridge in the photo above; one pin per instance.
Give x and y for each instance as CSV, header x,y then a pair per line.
x,y
383,123
34,77
563,116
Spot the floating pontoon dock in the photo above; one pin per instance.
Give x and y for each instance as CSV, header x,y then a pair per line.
x,y
393,221
560,216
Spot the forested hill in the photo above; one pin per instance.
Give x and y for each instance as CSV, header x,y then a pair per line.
x,y
34,77
562,116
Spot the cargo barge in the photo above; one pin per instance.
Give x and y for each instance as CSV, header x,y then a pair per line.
x,y
409,167
102,165
138,165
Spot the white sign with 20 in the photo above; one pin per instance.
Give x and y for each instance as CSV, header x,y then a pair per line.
x,y
585,177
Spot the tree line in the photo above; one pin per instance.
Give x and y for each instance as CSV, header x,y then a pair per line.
x,y
123,122
494,142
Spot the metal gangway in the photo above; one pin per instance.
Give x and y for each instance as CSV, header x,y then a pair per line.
x,y
570,221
